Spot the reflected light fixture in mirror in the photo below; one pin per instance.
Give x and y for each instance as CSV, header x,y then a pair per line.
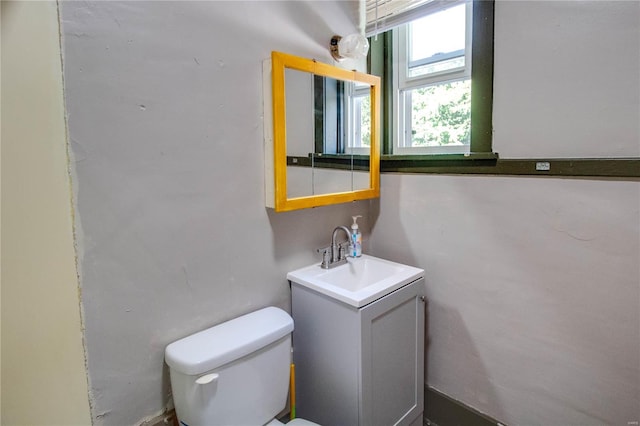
x,y
353,46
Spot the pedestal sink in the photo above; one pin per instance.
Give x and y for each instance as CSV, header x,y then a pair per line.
x,y
358,282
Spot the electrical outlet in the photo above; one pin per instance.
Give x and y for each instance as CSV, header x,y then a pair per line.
x,y
543,166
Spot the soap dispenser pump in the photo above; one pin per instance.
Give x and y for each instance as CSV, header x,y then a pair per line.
x,y
356,238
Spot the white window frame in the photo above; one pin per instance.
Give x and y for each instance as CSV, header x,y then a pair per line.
x,y
353,94
402,83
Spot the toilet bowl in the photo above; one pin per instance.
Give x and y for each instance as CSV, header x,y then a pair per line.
x,y
235,373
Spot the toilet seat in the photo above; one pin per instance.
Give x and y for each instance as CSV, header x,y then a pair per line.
x,y
294,422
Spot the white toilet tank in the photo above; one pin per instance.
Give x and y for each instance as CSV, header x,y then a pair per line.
x,y
236,373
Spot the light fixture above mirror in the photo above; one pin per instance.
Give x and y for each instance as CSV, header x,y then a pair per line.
x,y
353,46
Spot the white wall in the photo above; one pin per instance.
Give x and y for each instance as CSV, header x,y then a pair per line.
x,y
44,378
533,284
165,122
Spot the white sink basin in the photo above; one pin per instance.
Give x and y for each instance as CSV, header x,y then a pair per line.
x,y
359,282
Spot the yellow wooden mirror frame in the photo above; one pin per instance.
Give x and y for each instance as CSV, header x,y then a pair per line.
x,y
279,62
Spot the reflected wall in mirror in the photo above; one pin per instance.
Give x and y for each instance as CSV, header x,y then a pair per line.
x,y
326,147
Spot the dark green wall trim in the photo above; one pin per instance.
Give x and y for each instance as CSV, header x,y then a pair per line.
x,y
480,164
442,410
596,167
482,75
380,63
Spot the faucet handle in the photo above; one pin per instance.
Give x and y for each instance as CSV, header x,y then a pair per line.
x,y
326,256
343,247
346,244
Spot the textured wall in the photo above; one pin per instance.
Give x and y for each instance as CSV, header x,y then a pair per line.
x,y
533,283
533,291
165,122
567,79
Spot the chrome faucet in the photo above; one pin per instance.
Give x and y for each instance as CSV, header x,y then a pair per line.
x,y
336,254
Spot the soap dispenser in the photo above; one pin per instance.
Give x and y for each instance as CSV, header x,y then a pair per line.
x,y
356,238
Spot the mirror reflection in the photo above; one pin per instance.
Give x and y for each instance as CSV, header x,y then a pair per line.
x,y
326,147
328,125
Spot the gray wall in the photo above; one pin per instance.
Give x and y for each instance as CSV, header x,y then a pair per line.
x,y
533,284
165,120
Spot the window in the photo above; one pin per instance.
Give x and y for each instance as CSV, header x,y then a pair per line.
x,y
437,61
342,116
432,82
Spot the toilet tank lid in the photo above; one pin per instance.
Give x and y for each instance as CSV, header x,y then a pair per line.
x,y
226,342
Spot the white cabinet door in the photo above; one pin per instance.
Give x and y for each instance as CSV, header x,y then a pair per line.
x,y
392,369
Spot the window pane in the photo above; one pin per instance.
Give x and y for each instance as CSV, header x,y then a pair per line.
x,y
359,95
440,114
363,106
437,42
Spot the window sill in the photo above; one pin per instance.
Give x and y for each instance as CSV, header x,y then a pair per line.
x,y
442,157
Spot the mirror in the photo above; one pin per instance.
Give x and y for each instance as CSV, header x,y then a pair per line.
x,y
325,134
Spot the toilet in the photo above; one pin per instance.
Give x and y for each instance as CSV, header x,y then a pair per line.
x,y
236,373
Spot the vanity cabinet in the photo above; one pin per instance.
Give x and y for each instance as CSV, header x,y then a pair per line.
x,y
359,366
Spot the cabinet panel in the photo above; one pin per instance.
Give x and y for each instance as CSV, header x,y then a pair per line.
x,y
393,357
327,357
